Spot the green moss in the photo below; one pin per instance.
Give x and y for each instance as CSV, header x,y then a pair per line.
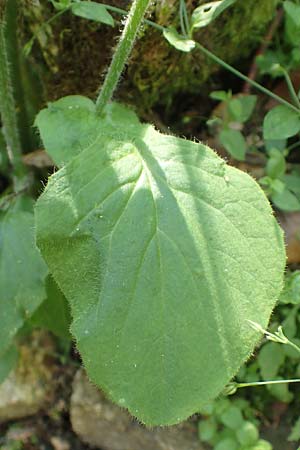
x,y
156,73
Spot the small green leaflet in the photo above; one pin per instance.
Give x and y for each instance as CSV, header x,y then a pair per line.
x,y
163,252
177,41
234,142
291,290
286,200
270,358
61,5
205,14
295,433
276,165
292,22
242,107
280,123
22,271
92,11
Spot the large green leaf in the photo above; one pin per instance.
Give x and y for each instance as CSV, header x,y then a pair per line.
x,y
22,271
164,252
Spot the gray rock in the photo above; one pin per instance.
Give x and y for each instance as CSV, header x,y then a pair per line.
x,y
28,388
102,424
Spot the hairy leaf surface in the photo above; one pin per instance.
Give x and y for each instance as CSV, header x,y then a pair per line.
x,y
164,252
22,271
53,314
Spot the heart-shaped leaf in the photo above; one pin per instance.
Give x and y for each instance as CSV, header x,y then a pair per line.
x,y
164,253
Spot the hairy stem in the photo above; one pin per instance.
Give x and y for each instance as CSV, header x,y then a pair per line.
x,y
8,108
122,52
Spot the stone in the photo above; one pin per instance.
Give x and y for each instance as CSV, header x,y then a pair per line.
x,y
102,424
29,388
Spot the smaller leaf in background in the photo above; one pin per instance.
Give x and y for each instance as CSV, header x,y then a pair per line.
x,y
295,433
61,4
247,434
292,22
281,391
227,444
8,361
92,11
271,62
276,165
177,41
232,418
223,96
291,352
28,46
207,428
289,326
261,445
281,122
270,359
234,142
286,200
291,290
241,108
205,14
53,314
292,182
279,144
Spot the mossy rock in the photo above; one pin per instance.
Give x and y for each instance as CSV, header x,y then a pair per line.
x,y
77,52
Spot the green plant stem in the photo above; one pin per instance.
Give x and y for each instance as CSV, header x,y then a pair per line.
x,y
294,346
186,18
218,61
8,106
291,89
265,383
245,78
122,52
292,146
182,22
